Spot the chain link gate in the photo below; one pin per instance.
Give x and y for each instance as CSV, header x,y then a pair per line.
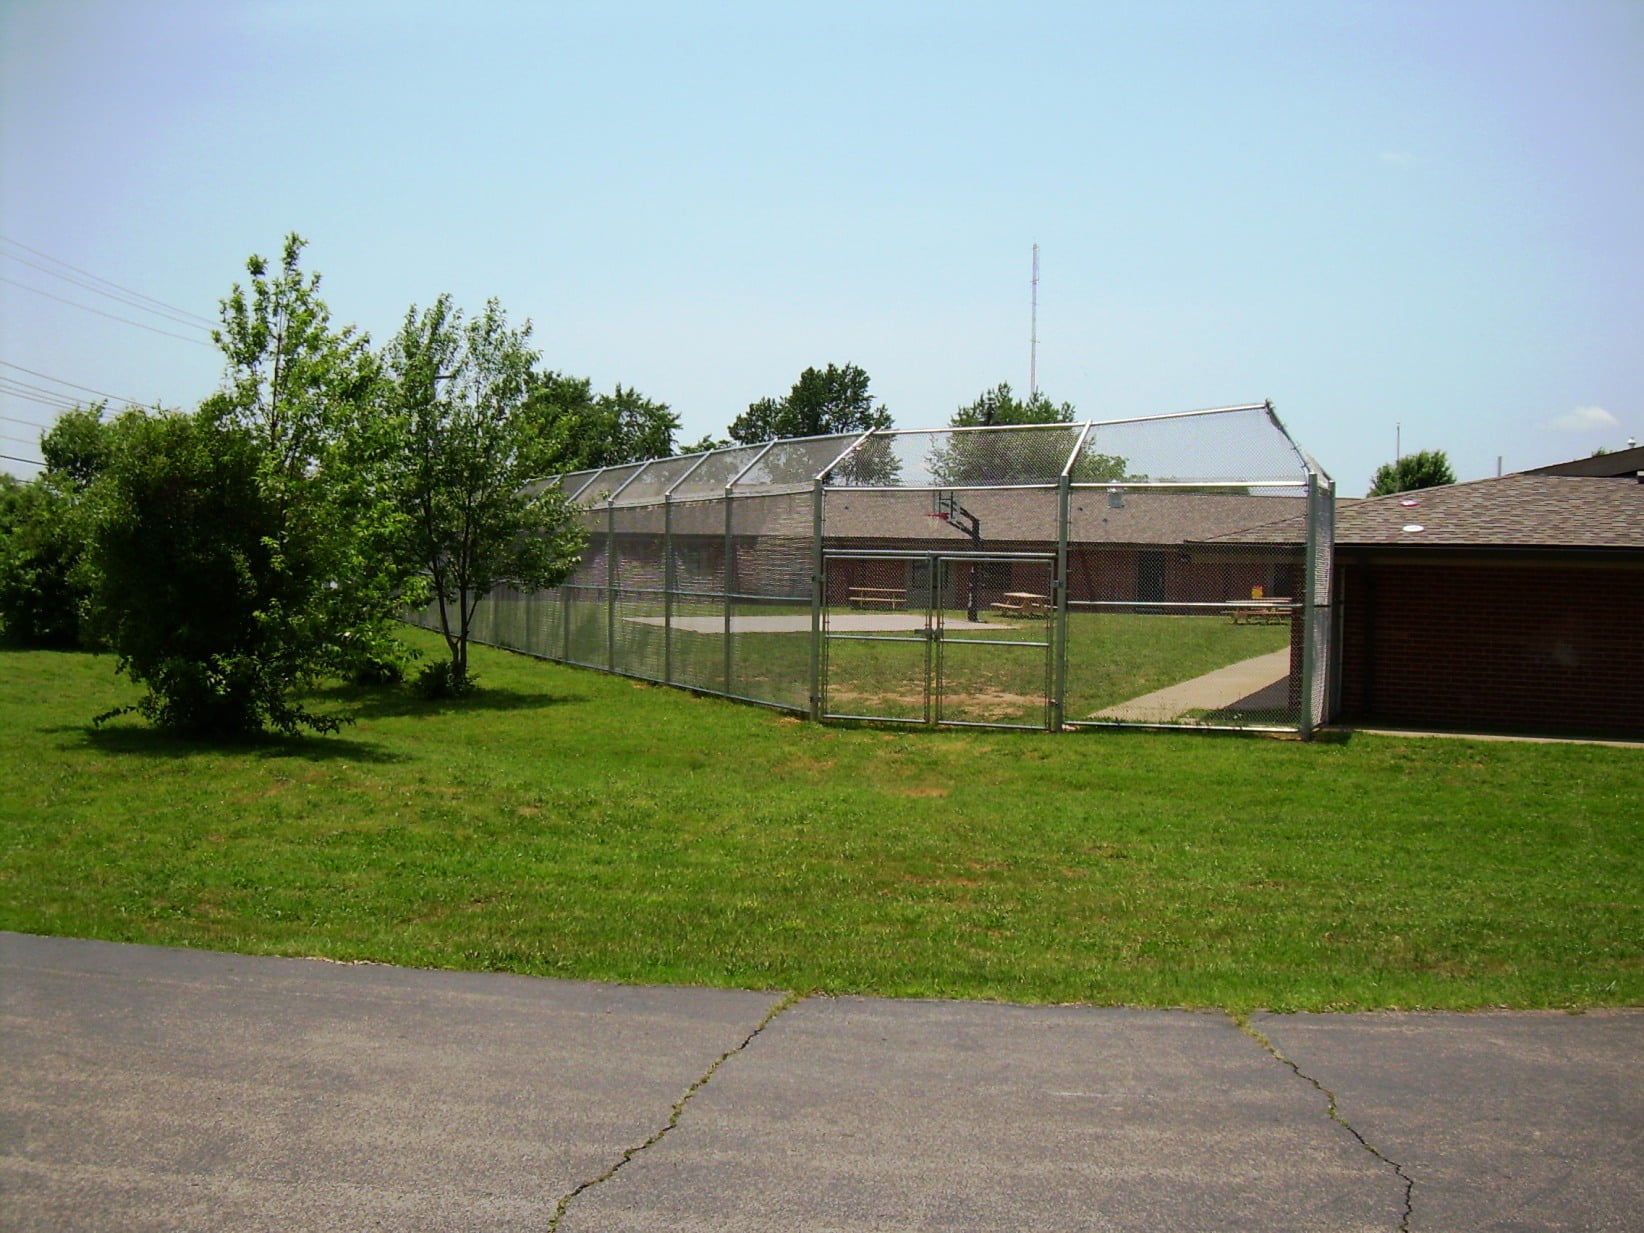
x,y
961,639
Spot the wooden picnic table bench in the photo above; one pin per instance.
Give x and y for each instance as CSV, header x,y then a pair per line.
x,y
1274,611
1023,604
879,597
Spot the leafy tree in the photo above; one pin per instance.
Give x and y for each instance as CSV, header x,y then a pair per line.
x,y
638,428
705,443
872,463
38,604
821,402
1001,406
294,383
41,537
77,446
581,430
462,391
1423,469
986,458
238,554
197,582
309,397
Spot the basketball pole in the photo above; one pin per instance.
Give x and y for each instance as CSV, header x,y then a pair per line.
x,y
949,510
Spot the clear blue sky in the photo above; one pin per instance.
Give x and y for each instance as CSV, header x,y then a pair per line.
x,y
1427,215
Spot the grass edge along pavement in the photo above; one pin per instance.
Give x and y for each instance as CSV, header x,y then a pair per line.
x,y
565,823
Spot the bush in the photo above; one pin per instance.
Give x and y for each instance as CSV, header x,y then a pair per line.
x,y
40,547
198,582
438,679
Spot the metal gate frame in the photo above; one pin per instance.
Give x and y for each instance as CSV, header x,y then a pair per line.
x,y
932,634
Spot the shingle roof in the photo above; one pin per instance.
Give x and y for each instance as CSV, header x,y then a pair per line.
x,y
1510,511
1016,515
1627,463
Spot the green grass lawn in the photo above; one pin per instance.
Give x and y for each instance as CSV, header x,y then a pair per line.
x,y
566,823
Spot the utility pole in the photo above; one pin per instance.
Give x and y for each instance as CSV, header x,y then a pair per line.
x,y
1033,335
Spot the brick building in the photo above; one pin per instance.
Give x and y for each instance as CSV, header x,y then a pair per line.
x,y
1513,604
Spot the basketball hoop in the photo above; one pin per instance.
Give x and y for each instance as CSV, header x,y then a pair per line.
x,y
945,507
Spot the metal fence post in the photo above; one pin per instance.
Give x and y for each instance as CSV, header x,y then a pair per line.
x,y
730,582
1058,650
669,581
610,587
1310,611
818,581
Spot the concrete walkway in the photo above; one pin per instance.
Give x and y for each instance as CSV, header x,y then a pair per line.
x,y
1211,692
154,1089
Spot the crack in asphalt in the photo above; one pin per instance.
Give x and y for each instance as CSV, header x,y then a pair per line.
x,y
1250,1030
791,1000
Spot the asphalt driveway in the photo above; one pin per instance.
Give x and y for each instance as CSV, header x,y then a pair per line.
x,y
151,1089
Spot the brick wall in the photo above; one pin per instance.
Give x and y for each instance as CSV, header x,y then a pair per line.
x,y
1508,647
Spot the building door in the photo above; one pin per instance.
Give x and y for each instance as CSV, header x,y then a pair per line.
x,y
1150,577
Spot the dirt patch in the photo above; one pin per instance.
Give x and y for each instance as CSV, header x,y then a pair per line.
x,y
988,705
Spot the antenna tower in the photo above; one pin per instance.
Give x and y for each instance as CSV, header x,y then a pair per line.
x,y
1033,336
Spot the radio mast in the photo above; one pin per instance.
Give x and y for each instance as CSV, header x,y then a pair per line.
x,y
1033,336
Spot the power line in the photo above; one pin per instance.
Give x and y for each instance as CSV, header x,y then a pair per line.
x,y
44,402
148,299
33,462
58,380
12,383
132,301
12,419
129,301
125,320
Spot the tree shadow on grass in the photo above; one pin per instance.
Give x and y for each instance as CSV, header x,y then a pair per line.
x,y
348,703
397,702
138,740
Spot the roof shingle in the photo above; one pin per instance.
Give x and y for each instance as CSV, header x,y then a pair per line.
x,y
1509,511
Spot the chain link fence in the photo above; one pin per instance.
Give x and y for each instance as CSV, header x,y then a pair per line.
x,y
1170,570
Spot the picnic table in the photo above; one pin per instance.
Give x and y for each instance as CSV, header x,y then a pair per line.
x,y
1023,604
1268,611
879,597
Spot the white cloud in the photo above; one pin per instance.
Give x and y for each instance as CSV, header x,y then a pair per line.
x,y
1586,419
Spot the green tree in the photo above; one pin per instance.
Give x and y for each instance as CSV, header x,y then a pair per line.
x,y
822,401
76,448
196,581
239,554
581,429
462,391
294,383
992,458
1000,406
703,444
638,428
1423,469
309,397
38,604
42,539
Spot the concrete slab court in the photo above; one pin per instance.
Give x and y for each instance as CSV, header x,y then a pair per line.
x,y
144,1088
